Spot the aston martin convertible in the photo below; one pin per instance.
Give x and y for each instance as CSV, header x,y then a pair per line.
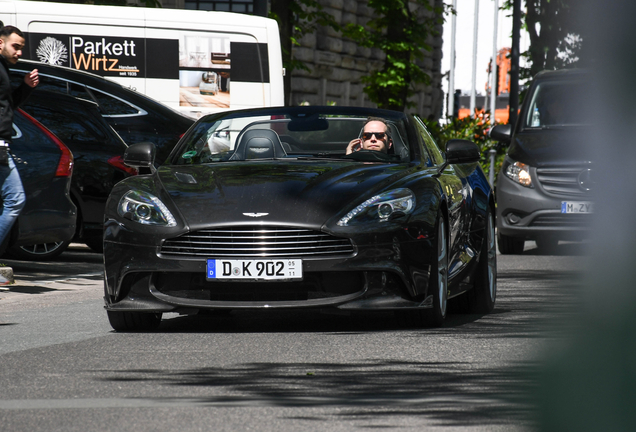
x,y
344,208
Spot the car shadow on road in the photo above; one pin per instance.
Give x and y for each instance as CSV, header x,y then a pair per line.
x,y
515,313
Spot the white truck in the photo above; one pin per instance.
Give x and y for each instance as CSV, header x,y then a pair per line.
x,y
185,59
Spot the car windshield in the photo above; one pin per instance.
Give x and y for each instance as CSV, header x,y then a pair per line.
x,y
287,134
557,103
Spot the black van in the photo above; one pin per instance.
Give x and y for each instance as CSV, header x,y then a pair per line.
x,y
544,187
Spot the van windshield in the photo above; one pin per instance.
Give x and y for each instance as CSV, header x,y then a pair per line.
x,y
557,103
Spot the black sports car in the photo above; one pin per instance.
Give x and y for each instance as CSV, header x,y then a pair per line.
x,y
263,209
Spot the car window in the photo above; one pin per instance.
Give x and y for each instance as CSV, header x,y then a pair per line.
x,y
432,149
109,105
112,106
69,124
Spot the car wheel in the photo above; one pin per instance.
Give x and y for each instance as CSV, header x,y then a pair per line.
x,y
37,252
482,297
439,278
95,243
509,245
547,244
438,285
133,321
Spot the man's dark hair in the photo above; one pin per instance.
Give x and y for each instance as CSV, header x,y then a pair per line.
x,y
378,119
9,30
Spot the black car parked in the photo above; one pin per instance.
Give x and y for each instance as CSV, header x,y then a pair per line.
x,y
46,225
98,152
134,116
544,187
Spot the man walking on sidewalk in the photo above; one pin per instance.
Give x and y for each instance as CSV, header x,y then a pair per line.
x,y
11,190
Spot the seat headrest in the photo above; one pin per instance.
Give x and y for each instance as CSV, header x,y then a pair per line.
x,y
259,144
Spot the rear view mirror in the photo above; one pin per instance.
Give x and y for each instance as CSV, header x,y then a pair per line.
x,y
502,133
140,156
307,124
459,151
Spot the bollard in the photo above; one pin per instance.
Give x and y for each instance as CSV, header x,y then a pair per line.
x,y
491,174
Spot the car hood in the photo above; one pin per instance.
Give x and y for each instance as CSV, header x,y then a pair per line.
x,y
545,148
302,193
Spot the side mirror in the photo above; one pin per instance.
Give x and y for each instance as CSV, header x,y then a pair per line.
x,y
502,133
459,151
140,156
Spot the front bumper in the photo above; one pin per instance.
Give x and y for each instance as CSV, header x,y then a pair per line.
x,y
386,271
531,213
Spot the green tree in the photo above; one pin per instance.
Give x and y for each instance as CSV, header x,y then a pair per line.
x,y
297,18
472,129
555,38
401,29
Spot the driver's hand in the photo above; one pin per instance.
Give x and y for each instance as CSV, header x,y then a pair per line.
x,y
354,145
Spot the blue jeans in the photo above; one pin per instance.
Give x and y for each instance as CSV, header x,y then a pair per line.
x,y
13,197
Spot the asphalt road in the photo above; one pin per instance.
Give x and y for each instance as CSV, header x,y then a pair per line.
x,y
63,369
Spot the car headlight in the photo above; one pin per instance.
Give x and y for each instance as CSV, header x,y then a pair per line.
x,y
145,208
519,173
381,207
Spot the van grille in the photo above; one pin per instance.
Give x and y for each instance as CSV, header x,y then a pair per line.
x,y
562,181
561,220
258,241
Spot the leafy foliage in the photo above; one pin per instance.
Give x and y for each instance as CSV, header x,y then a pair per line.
x,y
472,129
555,38
402,34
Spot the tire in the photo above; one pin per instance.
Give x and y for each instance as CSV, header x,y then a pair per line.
x,y
95,243
134,321
509,245
39,252
547,244
438,285
439,278
481,299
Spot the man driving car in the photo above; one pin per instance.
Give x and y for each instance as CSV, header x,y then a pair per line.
x,y
374,136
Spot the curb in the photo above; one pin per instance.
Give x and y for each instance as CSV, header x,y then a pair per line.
x,y
7,272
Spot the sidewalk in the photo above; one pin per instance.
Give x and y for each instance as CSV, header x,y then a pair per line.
x,y
53,291
77,271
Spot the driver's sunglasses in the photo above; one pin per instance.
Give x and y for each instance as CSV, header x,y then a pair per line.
x,y
379,135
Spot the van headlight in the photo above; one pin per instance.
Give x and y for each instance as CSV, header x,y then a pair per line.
x,y
519,173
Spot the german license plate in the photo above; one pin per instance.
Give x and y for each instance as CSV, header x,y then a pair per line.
x,y
576,207
239,269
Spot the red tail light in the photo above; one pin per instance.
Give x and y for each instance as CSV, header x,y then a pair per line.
x,y
118,162
65,164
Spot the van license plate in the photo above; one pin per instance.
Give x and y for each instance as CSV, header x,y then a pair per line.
x,y
576,207
280,269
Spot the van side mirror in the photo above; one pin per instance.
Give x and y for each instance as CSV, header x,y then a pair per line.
x,y
141,156
502,133
459,151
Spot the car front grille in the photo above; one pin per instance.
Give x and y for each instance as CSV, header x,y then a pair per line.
x,y
564,181
256,241
561,220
